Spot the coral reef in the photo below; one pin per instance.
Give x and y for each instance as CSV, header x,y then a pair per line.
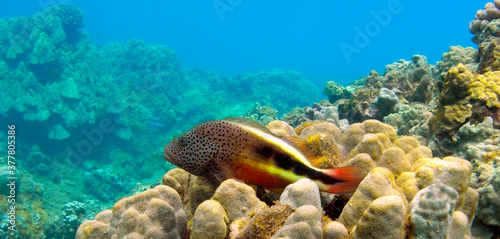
x,y
403,82
414,79
334,229
466,97
359,108
323,112
431,211
280,128
319,111
71,19
483,18
154,213
378,183
300,193
239,200
267,222
335,91
322,139
386,102
262,114
31,216
295,117
96,113
305,222
210,221
480,145
468,56
411,120
5,175
486,30
390,210
403,184
486,179
72,216
93,110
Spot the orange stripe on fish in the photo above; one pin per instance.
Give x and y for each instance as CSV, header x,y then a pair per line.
x,y
245,150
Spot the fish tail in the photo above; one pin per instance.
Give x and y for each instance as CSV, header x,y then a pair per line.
x,y
348,179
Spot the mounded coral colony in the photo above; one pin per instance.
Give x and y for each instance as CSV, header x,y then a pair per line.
x,y
426,136
96,115
406,188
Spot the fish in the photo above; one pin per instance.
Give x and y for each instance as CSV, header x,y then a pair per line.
x,y
155,125
247,151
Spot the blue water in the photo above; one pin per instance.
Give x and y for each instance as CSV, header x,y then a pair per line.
x,y
241,36
93,115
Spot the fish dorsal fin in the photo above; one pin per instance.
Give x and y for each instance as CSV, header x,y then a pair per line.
x,y
296,141
250,123
300,144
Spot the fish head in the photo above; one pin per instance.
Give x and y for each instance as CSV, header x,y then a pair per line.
x,y
191,151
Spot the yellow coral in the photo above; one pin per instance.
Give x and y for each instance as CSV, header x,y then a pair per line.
x,y
324,147
210,221
458,113
486,88
462,92
379,183
372,144
454,172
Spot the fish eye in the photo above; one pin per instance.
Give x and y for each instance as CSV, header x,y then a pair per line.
x,y
183,141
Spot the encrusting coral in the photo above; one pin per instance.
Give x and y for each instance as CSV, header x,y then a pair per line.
x,y
466,97
266,222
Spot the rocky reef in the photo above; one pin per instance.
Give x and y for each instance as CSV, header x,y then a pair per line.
x,y
426,136
98,115
415,194
403,82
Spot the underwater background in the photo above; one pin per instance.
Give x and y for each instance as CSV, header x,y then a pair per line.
x,y
91,92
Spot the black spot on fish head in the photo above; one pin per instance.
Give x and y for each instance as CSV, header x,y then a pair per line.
x,y
191,151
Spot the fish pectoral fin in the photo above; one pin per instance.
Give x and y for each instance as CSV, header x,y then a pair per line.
x,y
223,173
220,177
